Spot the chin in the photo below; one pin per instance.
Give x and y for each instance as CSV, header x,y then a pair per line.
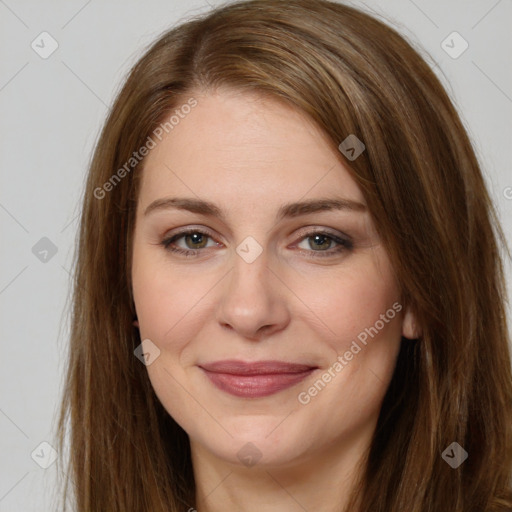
x,y
254,446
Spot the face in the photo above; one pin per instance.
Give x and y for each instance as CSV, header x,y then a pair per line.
x,y
272,310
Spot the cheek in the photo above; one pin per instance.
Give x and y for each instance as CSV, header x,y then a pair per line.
x,y
362,311
361,301
157,299
171,302
165,303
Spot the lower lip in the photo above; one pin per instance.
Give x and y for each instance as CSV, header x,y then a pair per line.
x,y
255,386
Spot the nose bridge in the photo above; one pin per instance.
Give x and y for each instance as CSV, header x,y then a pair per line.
x,y
250,269
250,266
251,299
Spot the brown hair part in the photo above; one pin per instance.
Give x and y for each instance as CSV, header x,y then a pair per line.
x,y
351,74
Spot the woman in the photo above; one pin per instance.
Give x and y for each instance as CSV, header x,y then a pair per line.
x,y
289,292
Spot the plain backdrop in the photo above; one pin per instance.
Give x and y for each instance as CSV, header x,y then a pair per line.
x,y
52,110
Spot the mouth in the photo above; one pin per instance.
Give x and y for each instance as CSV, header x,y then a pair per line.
x,y
255,380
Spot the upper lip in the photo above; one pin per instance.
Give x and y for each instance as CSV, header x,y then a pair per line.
x,y
236,367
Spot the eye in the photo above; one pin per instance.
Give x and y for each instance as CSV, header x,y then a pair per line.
x,y
194,240
322,243
314,244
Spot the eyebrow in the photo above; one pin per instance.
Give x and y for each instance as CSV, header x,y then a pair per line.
x,y
288,210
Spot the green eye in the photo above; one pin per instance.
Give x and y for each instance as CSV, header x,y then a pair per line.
x,y
197,240
320,244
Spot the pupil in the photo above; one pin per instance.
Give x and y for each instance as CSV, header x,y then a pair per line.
x,y
196,238
318,240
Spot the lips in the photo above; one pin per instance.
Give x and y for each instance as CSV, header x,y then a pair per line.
x,y
256,379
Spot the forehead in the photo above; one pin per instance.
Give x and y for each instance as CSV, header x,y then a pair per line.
x,y
239,146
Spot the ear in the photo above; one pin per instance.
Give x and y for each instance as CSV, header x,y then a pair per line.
x,y
136,323
410,328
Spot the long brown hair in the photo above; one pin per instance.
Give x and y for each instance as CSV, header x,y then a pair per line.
x,y
351,74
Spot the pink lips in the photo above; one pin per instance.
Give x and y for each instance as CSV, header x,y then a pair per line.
x,y
255,380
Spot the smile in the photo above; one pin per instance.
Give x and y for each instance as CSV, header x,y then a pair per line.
x,y
255,380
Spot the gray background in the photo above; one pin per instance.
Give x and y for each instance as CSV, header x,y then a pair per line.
x,y
52,110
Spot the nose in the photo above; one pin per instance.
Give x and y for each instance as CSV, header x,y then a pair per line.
x,y
254,300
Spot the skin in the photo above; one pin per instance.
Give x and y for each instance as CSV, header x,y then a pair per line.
x,y
250,155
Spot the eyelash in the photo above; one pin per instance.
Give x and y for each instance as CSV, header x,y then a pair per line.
x,y
343,245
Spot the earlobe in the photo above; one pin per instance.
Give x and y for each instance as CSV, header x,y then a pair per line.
x,y
136,323
410,328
